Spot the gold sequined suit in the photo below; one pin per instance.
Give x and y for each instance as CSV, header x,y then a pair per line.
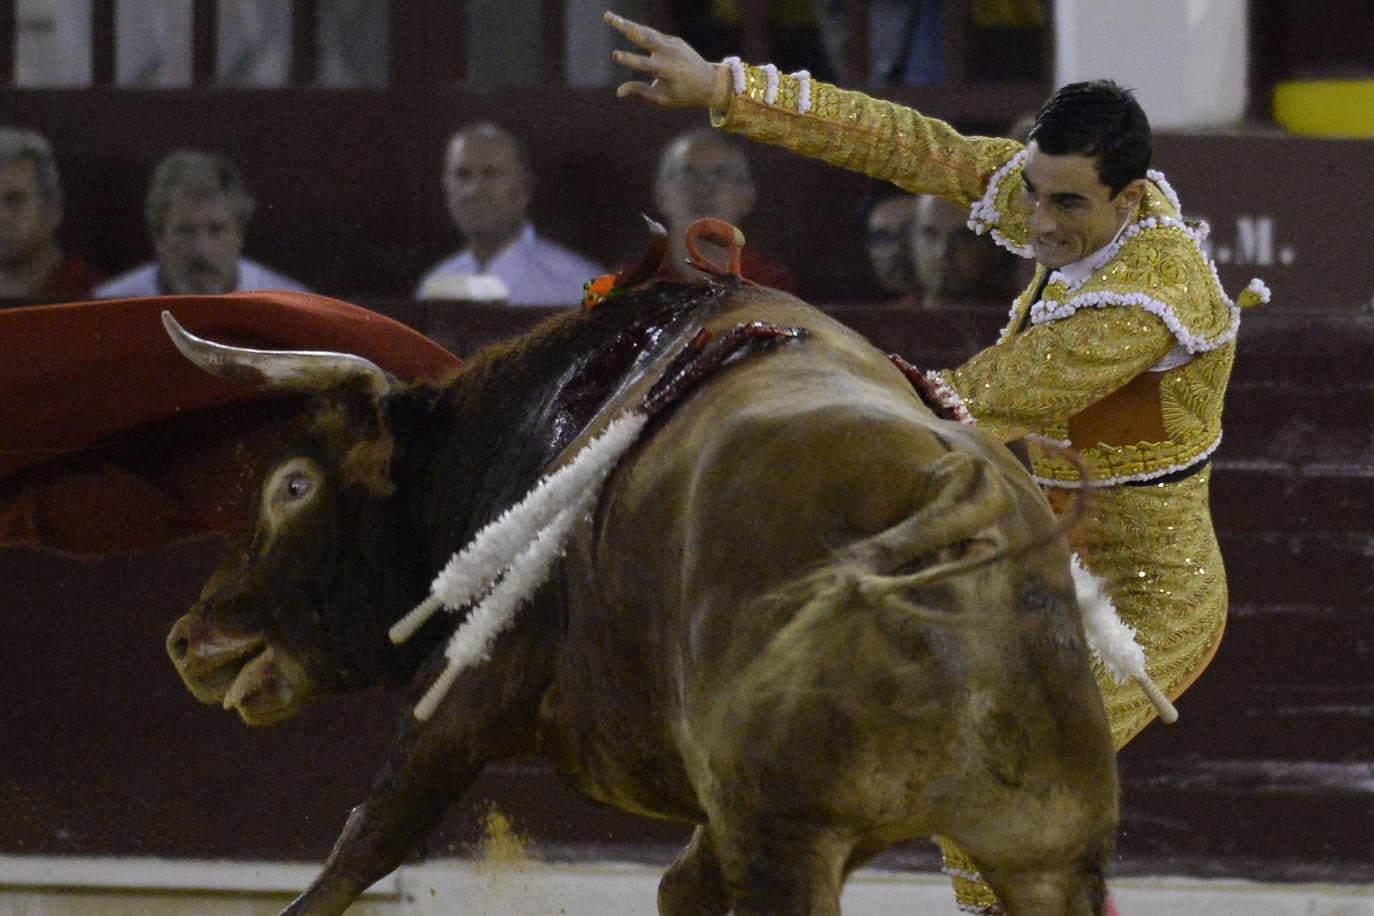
x,y
1128,367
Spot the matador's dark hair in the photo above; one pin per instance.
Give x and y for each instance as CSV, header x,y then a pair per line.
x,y
1098,119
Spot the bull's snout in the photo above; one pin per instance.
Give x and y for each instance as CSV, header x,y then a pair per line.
x,y
207,658
241,671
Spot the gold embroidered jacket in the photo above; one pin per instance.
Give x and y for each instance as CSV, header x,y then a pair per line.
x,y
1129,367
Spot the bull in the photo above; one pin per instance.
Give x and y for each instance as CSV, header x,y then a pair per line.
x,y
803,612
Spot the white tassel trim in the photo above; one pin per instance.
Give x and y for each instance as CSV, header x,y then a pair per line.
x,y
967,875
983,215
949,398
770,92
803,78
1113,641
736,73
507,561
1167,189
1052,310
1257,289
1047,310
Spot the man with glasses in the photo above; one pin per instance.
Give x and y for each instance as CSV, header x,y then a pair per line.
x,y
704,173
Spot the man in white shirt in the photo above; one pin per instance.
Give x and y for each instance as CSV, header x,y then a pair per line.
x,y
488,186
197,209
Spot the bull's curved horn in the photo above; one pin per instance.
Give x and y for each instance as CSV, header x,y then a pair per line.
x,y
653,256
302,371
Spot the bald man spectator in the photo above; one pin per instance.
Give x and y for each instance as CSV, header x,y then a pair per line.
x,y
197,211
705,173
952,264
32,262
488,186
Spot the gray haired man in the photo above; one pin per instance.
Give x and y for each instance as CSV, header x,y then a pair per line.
x,y
197,210
32,262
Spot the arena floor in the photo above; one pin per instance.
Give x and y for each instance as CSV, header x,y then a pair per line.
x,y
49,886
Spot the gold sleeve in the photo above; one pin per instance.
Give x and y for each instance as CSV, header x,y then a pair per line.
x,y
1038,379
863,134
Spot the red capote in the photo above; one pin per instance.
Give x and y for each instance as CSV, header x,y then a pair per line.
x,y
110,440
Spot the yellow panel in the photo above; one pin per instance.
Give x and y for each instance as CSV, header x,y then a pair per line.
x,y
1330,108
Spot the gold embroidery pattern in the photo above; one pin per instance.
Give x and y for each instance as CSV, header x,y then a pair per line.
x,y
853,131
789,92
1188,400
1156,550
1038,379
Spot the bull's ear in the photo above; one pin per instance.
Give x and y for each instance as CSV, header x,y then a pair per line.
x,y
297,371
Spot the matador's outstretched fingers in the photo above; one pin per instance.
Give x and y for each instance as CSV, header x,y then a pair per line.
x,y
681,77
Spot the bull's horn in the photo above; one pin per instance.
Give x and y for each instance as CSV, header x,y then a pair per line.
x,y
653,257
303,371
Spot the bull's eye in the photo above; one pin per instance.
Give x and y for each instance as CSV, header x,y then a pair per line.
x,y
293,483
296,486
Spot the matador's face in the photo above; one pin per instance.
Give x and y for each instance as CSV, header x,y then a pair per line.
x,y
1072,212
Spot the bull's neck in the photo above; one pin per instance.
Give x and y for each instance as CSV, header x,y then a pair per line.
x,y
515,408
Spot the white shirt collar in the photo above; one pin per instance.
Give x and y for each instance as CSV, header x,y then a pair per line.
x,y
1077,273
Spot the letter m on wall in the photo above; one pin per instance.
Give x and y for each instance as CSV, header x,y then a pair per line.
x,y
1254,240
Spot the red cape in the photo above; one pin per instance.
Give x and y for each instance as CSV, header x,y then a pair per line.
x,y
110,440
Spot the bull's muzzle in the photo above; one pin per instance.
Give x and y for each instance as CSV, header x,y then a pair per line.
x,y
244,672
207,658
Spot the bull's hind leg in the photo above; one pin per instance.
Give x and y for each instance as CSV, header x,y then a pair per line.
x,y
693,885
782,868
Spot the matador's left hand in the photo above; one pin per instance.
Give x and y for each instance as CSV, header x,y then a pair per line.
x,y
682,78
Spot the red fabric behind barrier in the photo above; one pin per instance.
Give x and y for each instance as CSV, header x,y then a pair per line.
x,y
89,463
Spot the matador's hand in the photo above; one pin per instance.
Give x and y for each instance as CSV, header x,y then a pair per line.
x,y
682,78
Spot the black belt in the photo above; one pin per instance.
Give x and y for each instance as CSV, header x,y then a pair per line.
x,y
1171,477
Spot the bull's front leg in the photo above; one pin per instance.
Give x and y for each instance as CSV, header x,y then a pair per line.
x,y
488,713
411,794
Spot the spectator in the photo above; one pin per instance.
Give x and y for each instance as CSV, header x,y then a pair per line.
x,y
705,173
488,185
197,210
32,262
953,265
887,227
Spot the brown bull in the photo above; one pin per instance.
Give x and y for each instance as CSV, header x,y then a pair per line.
x,y
804,614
